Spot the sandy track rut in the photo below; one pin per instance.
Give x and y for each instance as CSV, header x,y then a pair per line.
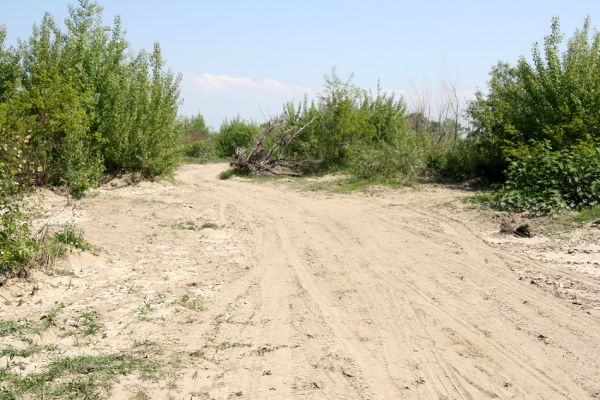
x,y
314,296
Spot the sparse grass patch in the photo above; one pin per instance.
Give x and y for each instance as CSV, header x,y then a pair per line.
x,y
183,225
188,302
262,350
85,324
230,345
140,394
480,198
346,185
11,327
80,377
588,214
12,352
190,226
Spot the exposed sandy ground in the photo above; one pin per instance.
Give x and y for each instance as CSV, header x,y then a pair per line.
x,y
311,295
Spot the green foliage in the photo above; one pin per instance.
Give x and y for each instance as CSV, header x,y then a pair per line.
x,y
82,104
542,180
554,99
75,103
401,160
233,134
11,327
71,236
366,133
228,173
17,248
198,142
195,125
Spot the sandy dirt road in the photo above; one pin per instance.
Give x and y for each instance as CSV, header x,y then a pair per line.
x,y
310,295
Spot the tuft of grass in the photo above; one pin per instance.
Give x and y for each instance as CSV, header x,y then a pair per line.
x,y
86,324
228,173
190,303
262,350
144,310
209,225
230,345
587,214
140,395
70,236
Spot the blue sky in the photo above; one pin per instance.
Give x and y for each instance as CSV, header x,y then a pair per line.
x,y
248,57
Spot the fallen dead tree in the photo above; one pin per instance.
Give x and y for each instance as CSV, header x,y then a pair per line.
x,y
258,160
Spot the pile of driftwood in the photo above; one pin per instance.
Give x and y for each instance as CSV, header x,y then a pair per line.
x,y
260,160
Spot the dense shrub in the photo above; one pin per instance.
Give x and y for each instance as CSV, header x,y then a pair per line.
x,y
542,180
351,128
234,133
86,104
553,99
401,161
197,140
75,103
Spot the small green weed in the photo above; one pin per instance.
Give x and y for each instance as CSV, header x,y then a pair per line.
x,y
144,310
51,318
261,351
190,303
70,236
86,324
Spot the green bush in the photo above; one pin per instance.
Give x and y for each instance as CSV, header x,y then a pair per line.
x,y
197,140
17,248
86,104
542,180
403,161
75,103
350,127
553,99
233,134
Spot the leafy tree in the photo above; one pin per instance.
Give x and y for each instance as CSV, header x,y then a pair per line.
x,y
553,98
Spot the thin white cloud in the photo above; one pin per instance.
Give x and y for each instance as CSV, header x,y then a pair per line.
x,y
226,83
219,96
